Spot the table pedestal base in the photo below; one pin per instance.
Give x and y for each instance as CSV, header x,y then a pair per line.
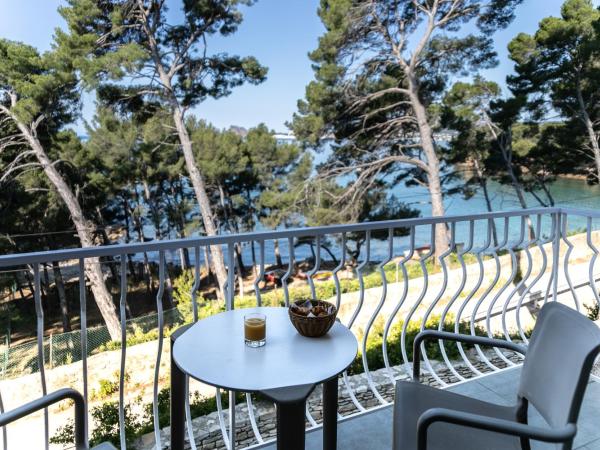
x,y
330,413
291,404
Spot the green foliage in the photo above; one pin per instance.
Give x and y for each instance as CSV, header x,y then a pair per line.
x,y
375,89
105,419
107,388
244,169
557,70
493,140
131,35
593,311
374,347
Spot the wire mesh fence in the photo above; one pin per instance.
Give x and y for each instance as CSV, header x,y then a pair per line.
x,y
65,348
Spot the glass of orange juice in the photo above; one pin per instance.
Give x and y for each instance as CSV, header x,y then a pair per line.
x,y
255,329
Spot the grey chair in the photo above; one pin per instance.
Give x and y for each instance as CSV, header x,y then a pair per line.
x,y
47,400
557,367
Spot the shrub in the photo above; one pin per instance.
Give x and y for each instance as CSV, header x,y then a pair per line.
x,y
374,345
105,419
106,427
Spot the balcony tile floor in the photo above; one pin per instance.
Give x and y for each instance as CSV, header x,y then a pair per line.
x,y
373,431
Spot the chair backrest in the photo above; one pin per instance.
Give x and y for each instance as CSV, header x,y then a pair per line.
x,y
559,360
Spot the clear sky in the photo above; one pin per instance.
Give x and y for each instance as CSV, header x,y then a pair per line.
x,y
280,33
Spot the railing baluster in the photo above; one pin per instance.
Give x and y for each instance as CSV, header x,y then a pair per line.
x,y
491,286
230,306
350,392
423,263
375,314
232,444
286,276
39,313
261,273
222,419
196,286
463,280
188,415
438,297
512,249
591,277
334,273
159,310
338,292
311,273
252,417
361,281
122,311
504,245
194,297
259,277
392,317
309,417
229,292
566,262
4,432
478,252
309,277
539,242
353,318
84,338
524,248
556,256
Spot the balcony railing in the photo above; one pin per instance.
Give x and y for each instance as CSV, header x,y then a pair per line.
x,y
497,269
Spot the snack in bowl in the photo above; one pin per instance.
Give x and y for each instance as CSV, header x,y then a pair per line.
x,y
312,318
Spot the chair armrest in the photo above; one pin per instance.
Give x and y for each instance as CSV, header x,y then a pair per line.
x,y
466,338
490,424
47,400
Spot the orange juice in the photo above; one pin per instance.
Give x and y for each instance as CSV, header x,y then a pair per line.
x,y
255,329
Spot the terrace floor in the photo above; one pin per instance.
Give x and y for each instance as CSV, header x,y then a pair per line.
x,y
373,431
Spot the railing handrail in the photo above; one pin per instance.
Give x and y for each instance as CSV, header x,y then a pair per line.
x,y
17,259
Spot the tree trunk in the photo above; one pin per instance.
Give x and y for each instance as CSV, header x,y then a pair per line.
x,y
45,286
184,255
278,259
589,126
62,298
128,238
202,198
110,261
505,143
93,270
154,211
140,232
547,192
481,179
434,183
253,254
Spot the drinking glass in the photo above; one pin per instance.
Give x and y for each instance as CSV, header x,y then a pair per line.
x,y
255,329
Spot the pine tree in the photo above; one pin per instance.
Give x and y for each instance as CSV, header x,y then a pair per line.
x,y
380,68
38,97
170,63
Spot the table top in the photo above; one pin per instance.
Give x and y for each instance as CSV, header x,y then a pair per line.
x,y
213,351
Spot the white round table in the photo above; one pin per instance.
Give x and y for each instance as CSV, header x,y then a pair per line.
x,y
286,369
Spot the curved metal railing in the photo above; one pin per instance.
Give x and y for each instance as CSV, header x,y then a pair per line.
x,y
389,279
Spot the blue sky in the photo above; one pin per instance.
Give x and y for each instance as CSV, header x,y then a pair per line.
x,y
280,33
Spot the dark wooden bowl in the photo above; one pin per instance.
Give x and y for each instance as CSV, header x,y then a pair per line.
x,y
313,326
